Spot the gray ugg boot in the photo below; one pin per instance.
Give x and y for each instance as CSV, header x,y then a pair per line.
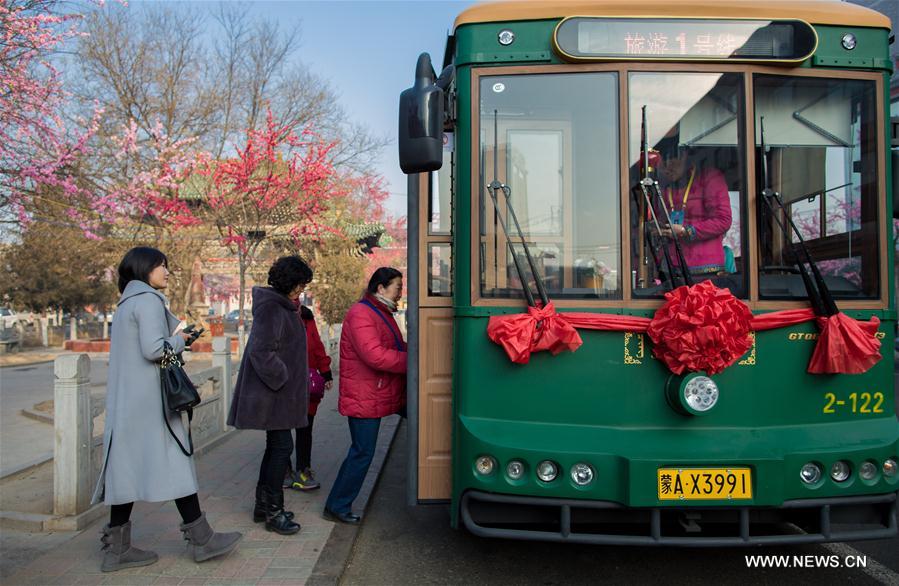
x,y
206,543
118,553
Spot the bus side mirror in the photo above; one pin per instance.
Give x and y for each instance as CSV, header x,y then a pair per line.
x,y
421,121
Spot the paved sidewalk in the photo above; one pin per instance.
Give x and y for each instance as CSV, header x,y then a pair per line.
x,y
227,476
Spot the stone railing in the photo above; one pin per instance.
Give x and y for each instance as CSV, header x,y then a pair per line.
x,y
78,454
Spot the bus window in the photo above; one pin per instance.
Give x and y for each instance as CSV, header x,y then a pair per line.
x,y
440,283
822,158
694,122
440,202
555,138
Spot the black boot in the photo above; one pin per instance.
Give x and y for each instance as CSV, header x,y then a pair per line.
x,y
261,505
276,518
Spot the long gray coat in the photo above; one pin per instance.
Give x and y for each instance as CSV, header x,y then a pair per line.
x,y
271,391
141,460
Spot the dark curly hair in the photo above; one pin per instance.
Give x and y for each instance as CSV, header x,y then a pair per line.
x,y
287,272
137,265
382,276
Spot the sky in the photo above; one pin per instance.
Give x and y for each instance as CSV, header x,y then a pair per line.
x,y
367,50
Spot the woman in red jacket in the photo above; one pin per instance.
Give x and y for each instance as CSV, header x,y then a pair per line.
x,y
372,383
320,366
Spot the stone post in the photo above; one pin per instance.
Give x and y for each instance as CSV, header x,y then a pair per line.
x,y
221,358
74,427
45,332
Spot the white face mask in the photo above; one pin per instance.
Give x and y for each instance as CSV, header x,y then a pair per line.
x,y
390,303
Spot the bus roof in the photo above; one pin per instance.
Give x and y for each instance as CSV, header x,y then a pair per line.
x,y
812,11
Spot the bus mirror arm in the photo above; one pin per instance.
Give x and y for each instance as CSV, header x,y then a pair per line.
x,y
650,188
678,249
652,232
446,77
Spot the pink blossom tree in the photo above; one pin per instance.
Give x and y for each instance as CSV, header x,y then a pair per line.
x,y
36,146
275,189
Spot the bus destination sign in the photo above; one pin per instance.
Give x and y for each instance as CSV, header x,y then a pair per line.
x,y
593,39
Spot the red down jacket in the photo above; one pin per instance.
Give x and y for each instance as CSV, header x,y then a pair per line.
x,y
372,369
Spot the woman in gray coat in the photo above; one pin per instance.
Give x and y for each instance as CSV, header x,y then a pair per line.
x,y
141,459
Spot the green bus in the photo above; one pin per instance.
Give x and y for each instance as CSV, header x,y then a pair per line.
x,y
595,178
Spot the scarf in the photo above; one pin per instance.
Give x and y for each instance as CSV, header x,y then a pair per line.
x,y
391,305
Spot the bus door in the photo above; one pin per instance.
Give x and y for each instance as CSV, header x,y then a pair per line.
x,y
435,331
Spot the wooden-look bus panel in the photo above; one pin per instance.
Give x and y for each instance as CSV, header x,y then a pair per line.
x,y
435,414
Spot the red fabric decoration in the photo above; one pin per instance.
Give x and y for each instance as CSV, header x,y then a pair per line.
x,y
519,334
700,328
780,319
845,346
608,321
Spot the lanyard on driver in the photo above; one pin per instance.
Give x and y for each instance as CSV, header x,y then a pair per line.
x,y
686,191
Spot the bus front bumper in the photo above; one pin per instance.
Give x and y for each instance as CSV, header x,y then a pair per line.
x,y
820,520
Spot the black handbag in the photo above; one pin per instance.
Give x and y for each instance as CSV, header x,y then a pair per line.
x,y
178,393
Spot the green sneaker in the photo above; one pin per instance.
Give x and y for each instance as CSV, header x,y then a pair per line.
x,y
305,480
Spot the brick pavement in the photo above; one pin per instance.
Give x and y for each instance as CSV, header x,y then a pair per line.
x,y
227,476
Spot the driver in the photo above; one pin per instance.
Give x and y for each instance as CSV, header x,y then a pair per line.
x,y
698,205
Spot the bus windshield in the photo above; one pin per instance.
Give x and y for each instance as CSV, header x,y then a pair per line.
x,y
555,137
694,124
821,137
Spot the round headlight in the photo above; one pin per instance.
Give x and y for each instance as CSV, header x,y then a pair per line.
x,y
582,474
485,465
515,469
849,41
701,393
547,471
889,468
868,470
840,471
810,473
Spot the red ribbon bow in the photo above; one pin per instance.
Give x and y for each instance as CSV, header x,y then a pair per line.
x,y
697,328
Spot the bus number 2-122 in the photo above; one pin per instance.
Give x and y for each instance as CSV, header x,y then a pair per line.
x,y
857,403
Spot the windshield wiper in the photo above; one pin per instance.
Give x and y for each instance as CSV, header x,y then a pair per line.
x,y
495,187
820,298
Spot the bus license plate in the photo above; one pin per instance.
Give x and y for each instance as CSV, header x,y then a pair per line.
x,y
687,484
